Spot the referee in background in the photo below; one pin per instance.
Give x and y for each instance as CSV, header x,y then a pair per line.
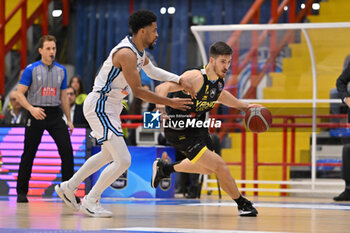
x,y
46,83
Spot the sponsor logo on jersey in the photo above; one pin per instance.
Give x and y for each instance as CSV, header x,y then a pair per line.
x,y
48,91
202,105
220,86
125,92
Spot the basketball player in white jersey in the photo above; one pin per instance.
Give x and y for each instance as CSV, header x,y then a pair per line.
x,y
103,106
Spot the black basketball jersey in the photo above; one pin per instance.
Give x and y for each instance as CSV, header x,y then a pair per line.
x,y
207,96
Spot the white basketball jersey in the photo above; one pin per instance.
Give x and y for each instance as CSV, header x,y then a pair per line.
x,y
110,80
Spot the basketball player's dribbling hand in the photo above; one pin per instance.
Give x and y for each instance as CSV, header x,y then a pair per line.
x,y
254,106
180,103
38,113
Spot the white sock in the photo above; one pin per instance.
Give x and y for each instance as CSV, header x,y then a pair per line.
x,y
91,165
121,161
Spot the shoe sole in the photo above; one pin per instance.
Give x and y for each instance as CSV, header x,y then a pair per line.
x,y
248,214
92,214
154,172
61,194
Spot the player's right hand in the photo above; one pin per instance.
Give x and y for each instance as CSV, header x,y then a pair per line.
x,y
38,113
180,103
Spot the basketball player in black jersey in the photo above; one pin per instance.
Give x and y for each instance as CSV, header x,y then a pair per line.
x,y
187,132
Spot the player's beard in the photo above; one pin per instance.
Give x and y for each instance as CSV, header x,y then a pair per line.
x,y
217,73
151,45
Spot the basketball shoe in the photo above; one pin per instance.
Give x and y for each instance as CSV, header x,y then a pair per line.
x,y
344,196
158,172
246,209
94,208
22,198
67,195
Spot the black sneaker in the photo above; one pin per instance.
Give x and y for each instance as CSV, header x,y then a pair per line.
x,y
246,209
158,172
22,198
344,196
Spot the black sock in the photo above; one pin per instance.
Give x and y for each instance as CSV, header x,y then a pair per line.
x,y
168,169
239,200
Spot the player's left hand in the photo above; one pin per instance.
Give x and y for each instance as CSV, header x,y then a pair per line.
x,y
70,126
188,87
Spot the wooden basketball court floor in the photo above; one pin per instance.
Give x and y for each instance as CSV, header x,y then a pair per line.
x,y
208,214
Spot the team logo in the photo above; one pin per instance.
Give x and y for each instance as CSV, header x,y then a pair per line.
x,y
212,92
151,120
121,182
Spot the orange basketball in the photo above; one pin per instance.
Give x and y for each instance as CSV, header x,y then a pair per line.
x,y
258,119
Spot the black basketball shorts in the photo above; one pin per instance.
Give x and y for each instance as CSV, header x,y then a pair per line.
x,y
190,142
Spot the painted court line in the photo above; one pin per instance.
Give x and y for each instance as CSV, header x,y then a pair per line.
x,y
282,205
186,230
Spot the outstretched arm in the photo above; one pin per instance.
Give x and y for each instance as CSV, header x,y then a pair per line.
x,y
229,100
126,60
163,75
165,88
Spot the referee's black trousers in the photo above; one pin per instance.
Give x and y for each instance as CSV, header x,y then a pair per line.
x,y
346,163
34,130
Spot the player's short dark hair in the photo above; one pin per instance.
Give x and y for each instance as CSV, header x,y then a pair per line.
x,y
46,38
219,48
141,19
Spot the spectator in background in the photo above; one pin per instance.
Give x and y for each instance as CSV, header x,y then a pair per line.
x,y
7,104
17,115
76,110
77,84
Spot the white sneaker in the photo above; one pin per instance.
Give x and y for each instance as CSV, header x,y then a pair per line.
x,y
67,195
94,208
